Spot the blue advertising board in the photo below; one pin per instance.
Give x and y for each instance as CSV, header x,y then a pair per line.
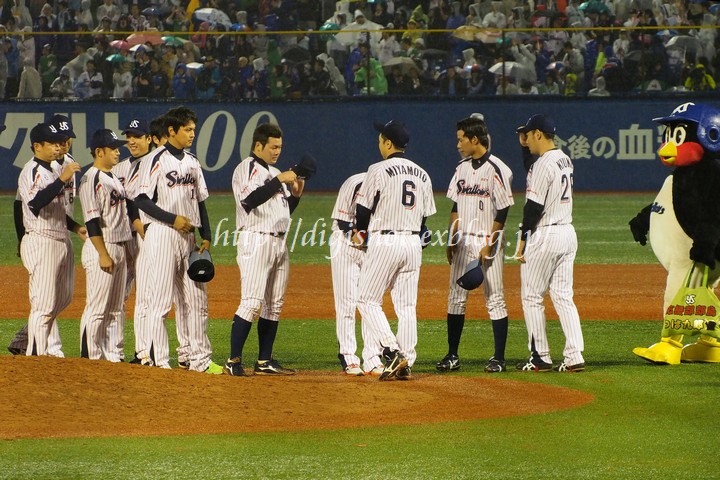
x,y
613,142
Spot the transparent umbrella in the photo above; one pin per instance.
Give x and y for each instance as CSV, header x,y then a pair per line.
x,y
212,15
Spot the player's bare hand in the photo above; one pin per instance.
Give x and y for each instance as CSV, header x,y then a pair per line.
x,y
182,224
486,253
288,177
297,187
204,245
520,252
69,170
106,263
450,252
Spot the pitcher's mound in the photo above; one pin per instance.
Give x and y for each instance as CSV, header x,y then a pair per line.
x,y
49,397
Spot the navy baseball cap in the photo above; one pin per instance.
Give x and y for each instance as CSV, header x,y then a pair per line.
x,y
63,124
394,131
306,167
473,276
137,127
201,268
46,132
105,138
538,122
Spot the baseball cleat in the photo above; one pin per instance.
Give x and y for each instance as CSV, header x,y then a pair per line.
x,y
213,369
534,365
564,367
376,372
234,367
15,351
354,370
396,361
495,366
404,374
184,365
449,363
271,367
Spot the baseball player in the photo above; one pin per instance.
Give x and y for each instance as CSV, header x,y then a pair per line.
x,y
45,249
345,262
64,125
140,144
482,196
265,198
172,192
106,216
393,203
547,248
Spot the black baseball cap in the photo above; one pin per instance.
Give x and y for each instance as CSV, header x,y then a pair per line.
x,y
105,138
394,131
137,127
538,122
473,276
63,124
46,132
2,128
200,266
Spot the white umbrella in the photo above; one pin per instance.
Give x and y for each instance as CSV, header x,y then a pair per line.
x,y
194,65
212,15
406,64
510,69
684,42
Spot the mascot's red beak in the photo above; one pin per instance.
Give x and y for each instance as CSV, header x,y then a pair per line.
x,y
683,155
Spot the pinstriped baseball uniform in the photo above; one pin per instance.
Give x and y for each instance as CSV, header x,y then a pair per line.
x,y
400,192
262,253
103,197
54,342
480,188
549,256
128,170
345,264
46,253
176,185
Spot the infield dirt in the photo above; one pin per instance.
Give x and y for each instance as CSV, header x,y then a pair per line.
x,y
46,397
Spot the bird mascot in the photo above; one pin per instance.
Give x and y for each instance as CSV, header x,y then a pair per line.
x,y
683,226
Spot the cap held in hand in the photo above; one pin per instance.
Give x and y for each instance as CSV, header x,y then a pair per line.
x,y
201,268
473,276
306,167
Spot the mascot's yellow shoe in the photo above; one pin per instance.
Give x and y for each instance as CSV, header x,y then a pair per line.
x,y
666,352
706,350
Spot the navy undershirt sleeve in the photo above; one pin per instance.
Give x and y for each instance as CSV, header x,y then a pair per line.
x,y
531,216
148,206
45,196
261,194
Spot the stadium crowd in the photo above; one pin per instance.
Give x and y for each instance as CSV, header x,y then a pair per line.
x,y
256,49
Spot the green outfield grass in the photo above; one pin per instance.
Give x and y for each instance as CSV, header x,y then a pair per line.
x,y
647,422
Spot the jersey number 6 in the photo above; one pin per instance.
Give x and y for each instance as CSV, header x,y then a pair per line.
x,y
408,196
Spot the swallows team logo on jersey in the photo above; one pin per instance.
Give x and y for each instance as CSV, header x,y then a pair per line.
x,y
474,190
175,179
115,198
